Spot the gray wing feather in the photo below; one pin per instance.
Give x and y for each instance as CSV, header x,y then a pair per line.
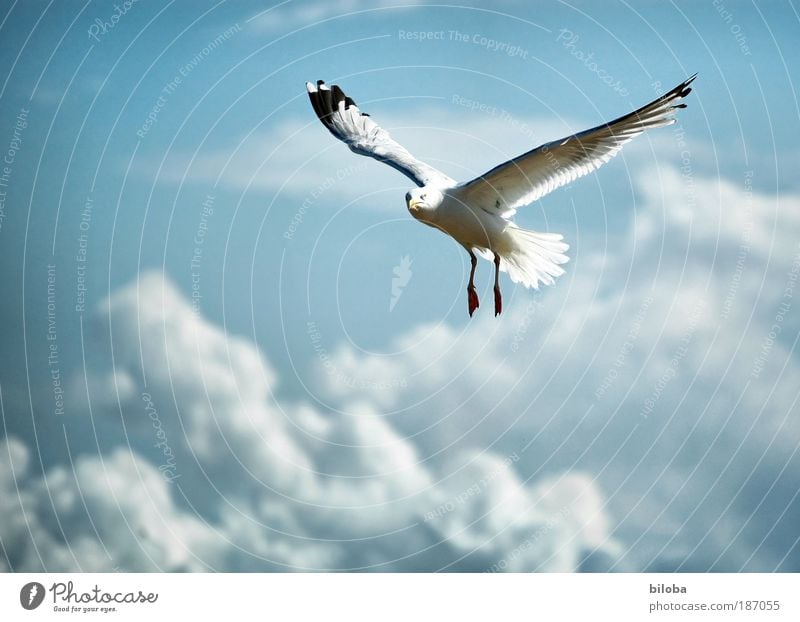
x,y
340,114
536,173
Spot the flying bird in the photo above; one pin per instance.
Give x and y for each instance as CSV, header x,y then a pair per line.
x,y
478,213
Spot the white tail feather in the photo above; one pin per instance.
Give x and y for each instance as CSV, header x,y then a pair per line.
x,y
533,257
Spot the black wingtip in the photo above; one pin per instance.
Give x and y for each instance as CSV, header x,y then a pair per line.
x,y
685,89
338,95
682,90
316,104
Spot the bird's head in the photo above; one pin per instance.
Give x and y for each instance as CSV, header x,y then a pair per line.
x,y
422,202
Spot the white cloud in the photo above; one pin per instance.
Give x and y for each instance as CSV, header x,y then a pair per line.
x,y
222,474
100,514
640,365
296,14
632,376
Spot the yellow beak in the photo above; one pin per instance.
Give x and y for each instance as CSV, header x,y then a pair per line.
x,y
412,205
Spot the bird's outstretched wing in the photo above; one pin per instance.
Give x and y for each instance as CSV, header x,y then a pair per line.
x,y
536,173
340,114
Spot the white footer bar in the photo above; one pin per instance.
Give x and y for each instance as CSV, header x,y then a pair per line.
x,y
400,597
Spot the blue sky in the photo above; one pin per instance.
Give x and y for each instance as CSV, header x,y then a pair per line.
x,y
234,384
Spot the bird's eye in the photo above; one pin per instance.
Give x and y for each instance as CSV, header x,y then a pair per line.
x,y
422,196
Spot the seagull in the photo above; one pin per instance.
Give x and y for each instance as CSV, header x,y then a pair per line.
x,y
478,214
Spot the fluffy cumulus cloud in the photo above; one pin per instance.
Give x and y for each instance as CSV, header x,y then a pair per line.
x,y
637,416
98,514
667,367
215,471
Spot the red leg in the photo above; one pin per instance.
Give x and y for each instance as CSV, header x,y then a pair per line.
x,y
472,295
498,298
